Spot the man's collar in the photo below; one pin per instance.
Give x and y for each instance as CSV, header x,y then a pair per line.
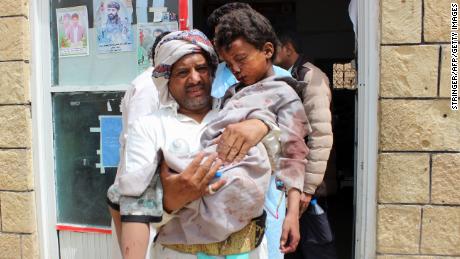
x,y
184,118
174,106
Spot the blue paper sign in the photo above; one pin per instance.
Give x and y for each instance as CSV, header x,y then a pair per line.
x,y
110,146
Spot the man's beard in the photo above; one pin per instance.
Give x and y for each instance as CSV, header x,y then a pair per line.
x,y
113,18
197,103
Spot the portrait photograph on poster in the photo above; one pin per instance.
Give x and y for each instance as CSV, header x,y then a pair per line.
x,y
147,33
112,20
72,27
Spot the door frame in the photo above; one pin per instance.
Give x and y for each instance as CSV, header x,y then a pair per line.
x,y
42,132
367,139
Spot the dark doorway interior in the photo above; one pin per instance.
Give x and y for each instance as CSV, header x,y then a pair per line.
x,y
327,37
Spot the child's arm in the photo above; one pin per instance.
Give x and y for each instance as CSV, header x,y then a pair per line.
x,y
285,109
290,235
292,162
293,123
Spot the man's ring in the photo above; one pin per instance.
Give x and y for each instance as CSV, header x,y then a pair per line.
x,y
210,190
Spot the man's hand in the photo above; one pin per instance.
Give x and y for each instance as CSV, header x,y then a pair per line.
x,y
305,199
238,138
182,188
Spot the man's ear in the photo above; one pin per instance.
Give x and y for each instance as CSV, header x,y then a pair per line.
x,y
268,50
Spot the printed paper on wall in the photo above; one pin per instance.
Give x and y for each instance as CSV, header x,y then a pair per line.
x,y
147,33
112,20
72,27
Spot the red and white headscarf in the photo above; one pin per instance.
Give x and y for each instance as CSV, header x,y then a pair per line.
x,y
169,50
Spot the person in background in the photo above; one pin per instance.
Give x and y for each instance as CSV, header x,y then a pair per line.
x,y
316,98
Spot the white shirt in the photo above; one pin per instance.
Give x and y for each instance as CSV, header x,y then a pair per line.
x,y
162,130
75,34
139,100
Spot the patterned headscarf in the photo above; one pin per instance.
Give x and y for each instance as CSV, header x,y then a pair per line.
x,y
169,50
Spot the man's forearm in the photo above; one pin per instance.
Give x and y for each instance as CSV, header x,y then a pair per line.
x,y
173,203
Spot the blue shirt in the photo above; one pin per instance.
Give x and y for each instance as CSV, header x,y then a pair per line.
x,y
224,79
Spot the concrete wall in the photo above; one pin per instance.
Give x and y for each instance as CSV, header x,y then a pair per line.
x,y
419,160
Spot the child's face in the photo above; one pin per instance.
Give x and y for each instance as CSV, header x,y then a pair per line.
x,y
247,63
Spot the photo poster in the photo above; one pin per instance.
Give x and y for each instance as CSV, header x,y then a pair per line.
x,y
72,27
112,20
147,33
111,127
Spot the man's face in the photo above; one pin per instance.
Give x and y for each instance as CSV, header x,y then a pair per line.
x,y
282,57
75,21
247,63
190,82
112,13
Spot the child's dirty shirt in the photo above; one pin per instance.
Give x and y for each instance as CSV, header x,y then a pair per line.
x,y
214,217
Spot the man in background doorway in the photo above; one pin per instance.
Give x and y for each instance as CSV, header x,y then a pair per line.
x,y
316,97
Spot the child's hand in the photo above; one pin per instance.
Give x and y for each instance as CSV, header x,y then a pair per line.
x,y
290,235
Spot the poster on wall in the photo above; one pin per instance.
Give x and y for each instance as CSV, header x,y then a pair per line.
x,y
112,20
72,27
111,126
147,33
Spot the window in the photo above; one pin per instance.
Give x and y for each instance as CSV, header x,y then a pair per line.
x,y
98,48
